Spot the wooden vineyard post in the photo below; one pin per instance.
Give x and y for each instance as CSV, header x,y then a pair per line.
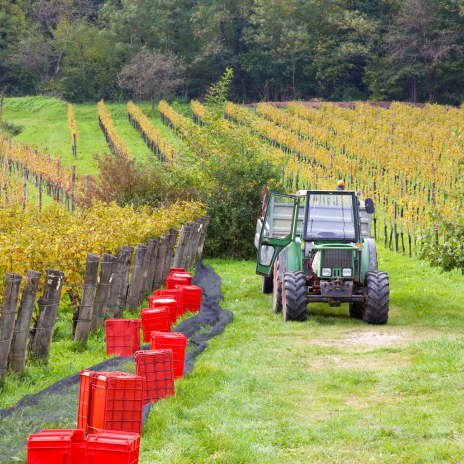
x,y
125,280
23,322
7,319
181,250
193,230
201,242
24,188
48,312
88,298
193,243
151,245
112,307
136,278
152,267
163,246
40,194
194,249
102,293
173,233
74,146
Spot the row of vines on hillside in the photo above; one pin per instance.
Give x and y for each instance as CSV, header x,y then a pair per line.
x,y
115,143
405,157
36,166
270,153
55,238
151,135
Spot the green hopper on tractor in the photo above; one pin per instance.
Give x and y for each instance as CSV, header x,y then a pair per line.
x,y
316,247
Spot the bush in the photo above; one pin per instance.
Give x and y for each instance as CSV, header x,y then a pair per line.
x,y
235,207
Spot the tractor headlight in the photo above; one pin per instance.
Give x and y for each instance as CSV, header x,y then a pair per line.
x,y
326,272
347,272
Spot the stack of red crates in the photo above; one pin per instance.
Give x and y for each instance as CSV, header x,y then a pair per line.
x,y
178,278
110,401
175,294
122,336
70,447
155,366
164,301
175,342
155,320
191,295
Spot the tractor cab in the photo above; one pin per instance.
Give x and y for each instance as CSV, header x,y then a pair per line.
x,y
321,237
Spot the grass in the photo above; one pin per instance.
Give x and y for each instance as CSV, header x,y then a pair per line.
x,y
331,389
44,122
269,392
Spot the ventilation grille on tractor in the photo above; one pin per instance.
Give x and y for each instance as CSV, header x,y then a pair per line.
x,y
337,258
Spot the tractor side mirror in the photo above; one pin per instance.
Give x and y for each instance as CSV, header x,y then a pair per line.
x,y
370,208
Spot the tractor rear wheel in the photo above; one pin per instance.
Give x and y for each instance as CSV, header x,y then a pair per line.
x,y
357,310
267,283
280,266
378,298
294,296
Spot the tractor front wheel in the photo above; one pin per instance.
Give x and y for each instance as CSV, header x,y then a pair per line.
x,y
378,298
294,297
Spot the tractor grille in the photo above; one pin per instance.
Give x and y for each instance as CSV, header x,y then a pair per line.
x,y
337,258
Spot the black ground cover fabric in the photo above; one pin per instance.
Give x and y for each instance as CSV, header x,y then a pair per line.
x,y
56,406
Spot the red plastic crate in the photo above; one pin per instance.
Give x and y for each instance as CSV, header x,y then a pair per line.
x,y
65,446
117,403
175,342
85,392
175,270
109,447
179,278
192,297
136,325
155,320
163,301
156,367
175,294
122,336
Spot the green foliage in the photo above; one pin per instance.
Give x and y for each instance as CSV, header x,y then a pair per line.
x,y
278,49
235,182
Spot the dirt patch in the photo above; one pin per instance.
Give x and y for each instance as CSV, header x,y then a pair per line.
x,y
365,361
370,337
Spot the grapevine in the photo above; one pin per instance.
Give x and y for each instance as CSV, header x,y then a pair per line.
x,y
115,142
72,123
150,134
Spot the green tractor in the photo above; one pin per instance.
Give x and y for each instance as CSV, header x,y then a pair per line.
x,y
316,247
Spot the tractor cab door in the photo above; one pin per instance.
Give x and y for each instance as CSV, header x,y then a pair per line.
x,y
277,230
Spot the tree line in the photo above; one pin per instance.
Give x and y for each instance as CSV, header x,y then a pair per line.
x,y
340,50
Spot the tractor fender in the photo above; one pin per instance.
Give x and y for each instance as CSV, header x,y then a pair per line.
x,y
369,257
373,263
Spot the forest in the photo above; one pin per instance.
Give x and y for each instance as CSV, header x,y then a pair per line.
x,y
279,50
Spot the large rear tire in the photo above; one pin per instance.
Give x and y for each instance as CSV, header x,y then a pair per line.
x,y
294,297
267,283
378,298
357,310
280,266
